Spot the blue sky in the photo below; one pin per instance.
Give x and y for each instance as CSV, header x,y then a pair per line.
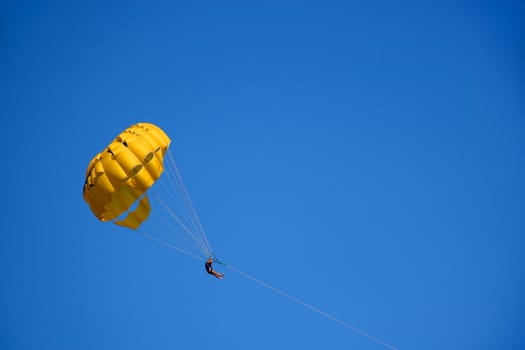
x,y
366,158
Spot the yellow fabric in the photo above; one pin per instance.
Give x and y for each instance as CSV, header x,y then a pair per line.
x,y
136,217
118,176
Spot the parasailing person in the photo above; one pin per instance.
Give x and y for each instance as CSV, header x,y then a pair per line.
x,y
209,269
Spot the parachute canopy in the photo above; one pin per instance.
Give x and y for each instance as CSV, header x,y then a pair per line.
x,y
118,178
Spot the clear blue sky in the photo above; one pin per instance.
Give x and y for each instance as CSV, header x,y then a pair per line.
x,y
365,157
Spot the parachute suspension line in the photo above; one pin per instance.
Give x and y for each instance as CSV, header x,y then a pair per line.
x,y
174,236
178,231
180,227
168,245
186,203
308,306
196,241
175,194
187,200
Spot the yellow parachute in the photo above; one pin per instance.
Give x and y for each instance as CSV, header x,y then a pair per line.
x,y
118,178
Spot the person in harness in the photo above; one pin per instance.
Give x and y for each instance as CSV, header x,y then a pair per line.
x,y
209,269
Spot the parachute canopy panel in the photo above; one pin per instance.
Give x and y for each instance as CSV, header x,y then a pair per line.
x,y
119,176
137,216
